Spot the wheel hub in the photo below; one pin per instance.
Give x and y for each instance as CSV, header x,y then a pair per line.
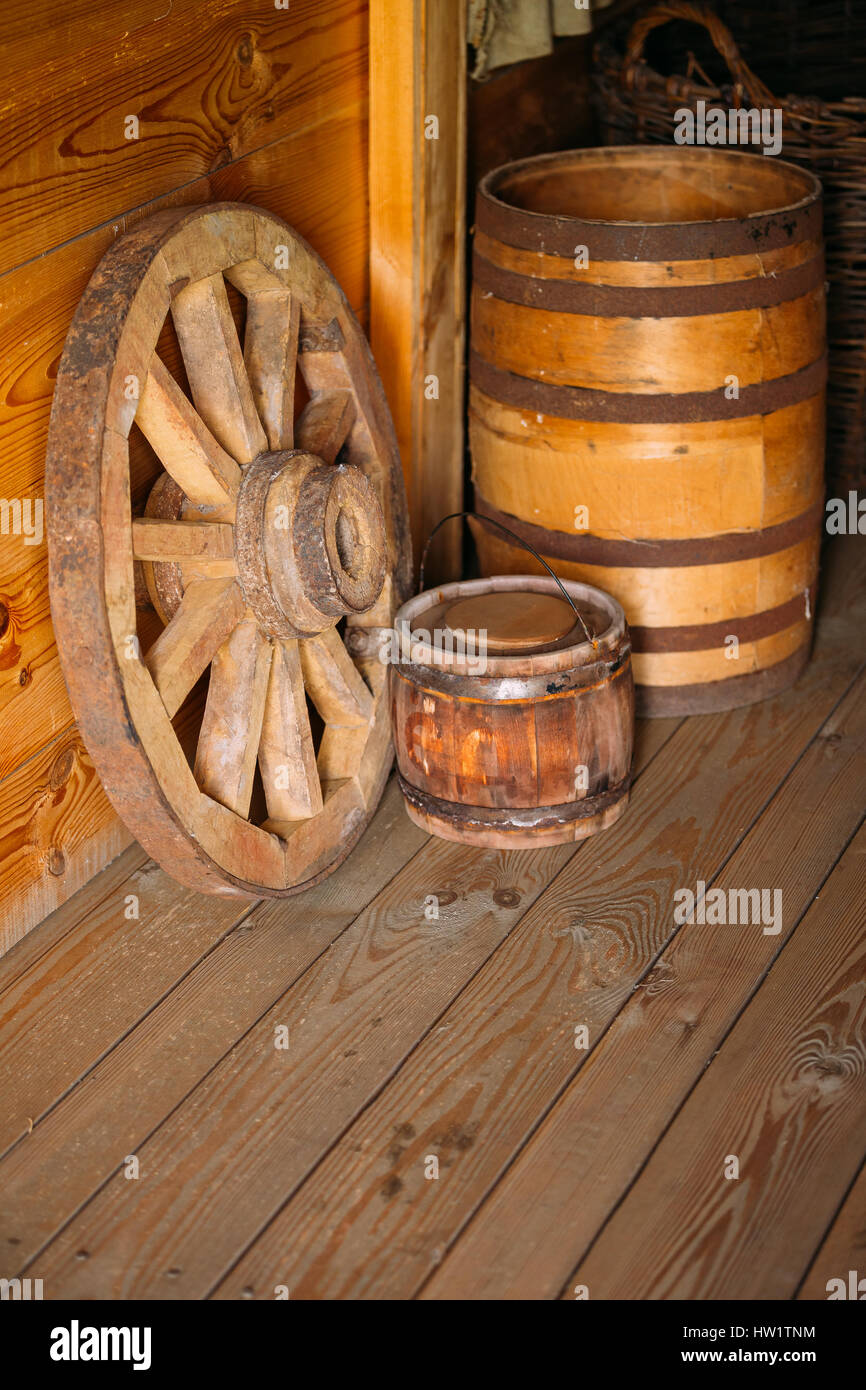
x,y
309,542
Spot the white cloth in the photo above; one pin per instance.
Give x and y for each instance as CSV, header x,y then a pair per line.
x,y
510,31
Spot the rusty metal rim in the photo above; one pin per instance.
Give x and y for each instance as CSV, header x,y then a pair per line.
x,y
644,241
713,697
517,818
631,407
723,549
698,637
654,302
515,690
514,666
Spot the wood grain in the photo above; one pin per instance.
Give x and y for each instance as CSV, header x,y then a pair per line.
x,y
185,447
170,1046
287,741
512,754
213,359
378,1204
395,288
417,252
719,270
842,1249
664,596
385,955
208,613
58,829
204,97
18,959
37,304
441,67
301,589
33,703
69,29
647,356
104,978
225,763
785,1097
721,475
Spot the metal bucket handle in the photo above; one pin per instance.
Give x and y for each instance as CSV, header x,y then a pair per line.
x,y
488,521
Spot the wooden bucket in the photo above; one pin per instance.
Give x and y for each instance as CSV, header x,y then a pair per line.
x,y
651,419
528,743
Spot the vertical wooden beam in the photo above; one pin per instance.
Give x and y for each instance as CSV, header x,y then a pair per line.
x,y
417,253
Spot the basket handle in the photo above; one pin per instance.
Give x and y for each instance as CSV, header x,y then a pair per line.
x,y
720,34
488,521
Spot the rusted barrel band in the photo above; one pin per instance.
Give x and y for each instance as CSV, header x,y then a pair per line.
x,y
640,241
503,690
709,697
700,637
515,818
653,302
722,549
629,407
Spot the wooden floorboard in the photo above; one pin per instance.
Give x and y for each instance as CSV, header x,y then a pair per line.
x,y
23,955
85,993
259,1121
161,1060
785,1098
453,1039
594,1143
370,1224
842,1251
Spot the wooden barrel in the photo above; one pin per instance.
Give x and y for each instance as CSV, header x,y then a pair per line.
x,y
525,740
647,402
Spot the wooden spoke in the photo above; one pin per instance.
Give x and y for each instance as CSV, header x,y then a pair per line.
x,y
228,743
182,441
208,612
335,685
154,539
270,357
325,423
286,755
340,752
215,367
309,841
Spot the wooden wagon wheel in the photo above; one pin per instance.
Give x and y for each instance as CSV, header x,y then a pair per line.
x,y
273,549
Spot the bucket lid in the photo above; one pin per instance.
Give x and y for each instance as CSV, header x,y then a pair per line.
x,y
512,622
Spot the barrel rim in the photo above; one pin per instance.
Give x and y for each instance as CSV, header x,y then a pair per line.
x,y
622,239
492,689
536,817
516,664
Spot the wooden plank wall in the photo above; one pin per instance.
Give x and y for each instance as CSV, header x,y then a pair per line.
x,y
235,99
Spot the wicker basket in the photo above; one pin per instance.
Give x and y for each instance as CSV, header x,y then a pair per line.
x,y
823,39
636,104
